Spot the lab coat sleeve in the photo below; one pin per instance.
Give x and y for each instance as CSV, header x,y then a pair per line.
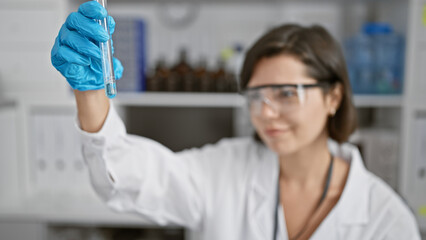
x,y
404,227
136,174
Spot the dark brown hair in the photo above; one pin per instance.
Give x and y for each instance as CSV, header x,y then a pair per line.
x,y
321,54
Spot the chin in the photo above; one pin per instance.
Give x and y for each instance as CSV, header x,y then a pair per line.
x,y
280,146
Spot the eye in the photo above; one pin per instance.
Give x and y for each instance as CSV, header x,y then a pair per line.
x,y
286,93
253,95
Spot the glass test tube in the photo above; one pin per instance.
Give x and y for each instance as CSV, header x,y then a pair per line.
x,y
106,54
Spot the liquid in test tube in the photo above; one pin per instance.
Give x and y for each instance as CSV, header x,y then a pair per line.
x,y
106,55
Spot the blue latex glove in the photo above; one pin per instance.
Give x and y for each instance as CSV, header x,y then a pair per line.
x,y
76,53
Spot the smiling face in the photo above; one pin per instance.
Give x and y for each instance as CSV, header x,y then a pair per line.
x,y
288,132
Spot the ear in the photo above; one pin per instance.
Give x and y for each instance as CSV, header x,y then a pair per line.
x,y
334,98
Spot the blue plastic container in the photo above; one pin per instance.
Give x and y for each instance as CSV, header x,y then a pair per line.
x,y
389,60
375,60
360,63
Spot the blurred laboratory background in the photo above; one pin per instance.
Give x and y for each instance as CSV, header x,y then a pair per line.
x,y
181,61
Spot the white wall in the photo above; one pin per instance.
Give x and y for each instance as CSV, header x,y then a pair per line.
x,y
220,25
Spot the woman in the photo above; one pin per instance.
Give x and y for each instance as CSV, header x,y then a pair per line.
x,y
297,179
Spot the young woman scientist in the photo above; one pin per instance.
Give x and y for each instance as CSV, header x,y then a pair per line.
x,y
297,179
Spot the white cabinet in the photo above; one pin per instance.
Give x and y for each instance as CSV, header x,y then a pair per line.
x,y
9,180
413,164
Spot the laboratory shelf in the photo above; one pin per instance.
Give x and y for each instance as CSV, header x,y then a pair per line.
x,y
208,100
378,100
167,99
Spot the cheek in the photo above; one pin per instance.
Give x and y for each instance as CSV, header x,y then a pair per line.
x,y
256,122
313,120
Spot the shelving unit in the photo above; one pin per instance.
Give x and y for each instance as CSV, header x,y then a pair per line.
x,y
163,99
207,100
412,182
232,100
378,101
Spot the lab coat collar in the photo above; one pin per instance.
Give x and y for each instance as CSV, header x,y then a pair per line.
x,y
353,205
262,196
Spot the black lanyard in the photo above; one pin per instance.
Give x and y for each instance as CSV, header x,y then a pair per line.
x,y
324,193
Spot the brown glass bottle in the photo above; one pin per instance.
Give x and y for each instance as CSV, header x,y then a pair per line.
x,y
157,80
173,83
232,82
190,83
150,79
203,77
220,78
180,70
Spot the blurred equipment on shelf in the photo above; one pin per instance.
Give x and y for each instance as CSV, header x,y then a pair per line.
x,y
234,58
129,46
183,77
56,154
375,59
380,151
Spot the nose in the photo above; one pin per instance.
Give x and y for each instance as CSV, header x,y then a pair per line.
x,y
269,109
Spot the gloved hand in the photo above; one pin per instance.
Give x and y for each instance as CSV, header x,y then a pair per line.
x,y
76,53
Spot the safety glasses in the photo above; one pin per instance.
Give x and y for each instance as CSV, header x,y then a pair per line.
x,y
282,98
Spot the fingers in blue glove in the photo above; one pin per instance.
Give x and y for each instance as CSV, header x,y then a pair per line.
x,y
96,67
79,78
112,47
118,68
66,54
111,24
79,43
55,60
72,71
87,27
93,10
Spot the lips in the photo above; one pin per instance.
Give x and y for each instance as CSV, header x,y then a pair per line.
x,y
276,131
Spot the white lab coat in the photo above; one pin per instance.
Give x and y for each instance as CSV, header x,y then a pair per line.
x,y
227,190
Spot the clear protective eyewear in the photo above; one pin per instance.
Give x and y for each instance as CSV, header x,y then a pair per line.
x,y
282,98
